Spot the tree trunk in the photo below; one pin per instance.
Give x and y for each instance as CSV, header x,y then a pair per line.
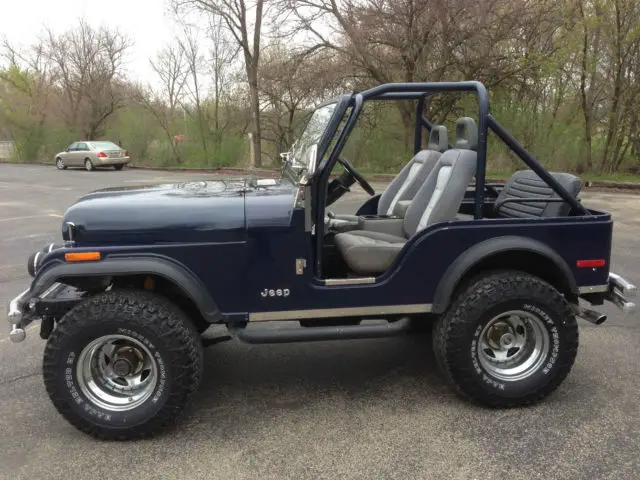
x,y
252,73
586,108
607,163
407,113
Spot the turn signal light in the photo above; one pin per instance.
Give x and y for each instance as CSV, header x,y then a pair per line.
x,y
82,256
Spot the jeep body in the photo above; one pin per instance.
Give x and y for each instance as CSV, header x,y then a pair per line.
x,y
242,251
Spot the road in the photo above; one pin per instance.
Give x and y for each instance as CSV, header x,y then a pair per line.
x,y
351,410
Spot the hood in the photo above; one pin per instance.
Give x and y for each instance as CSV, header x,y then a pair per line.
x,y
201,211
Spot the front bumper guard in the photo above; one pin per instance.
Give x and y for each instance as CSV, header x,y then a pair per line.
x,y
21,311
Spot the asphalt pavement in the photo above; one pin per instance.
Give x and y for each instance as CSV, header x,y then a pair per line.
x,y
362,409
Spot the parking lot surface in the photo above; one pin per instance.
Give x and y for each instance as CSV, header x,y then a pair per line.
x,y
370,409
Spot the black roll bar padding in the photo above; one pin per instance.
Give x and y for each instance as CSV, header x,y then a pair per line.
x,y
533,164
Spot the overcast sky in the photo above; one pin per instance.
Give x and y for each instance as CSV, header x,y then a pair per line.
x,y
148,23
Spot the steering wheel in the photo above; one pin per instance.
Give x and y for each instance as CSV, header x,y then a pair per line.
x,y
357,176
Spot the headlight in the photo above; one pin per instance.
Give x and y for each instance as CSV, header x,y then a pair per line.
x,y
35,259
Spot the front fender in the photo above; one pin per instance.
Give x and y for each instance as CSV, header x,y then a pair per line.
x,y
483,250
115,265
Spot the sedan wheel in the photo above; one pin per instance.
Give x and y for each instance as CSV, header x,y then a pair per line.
x,y
88,165
60,164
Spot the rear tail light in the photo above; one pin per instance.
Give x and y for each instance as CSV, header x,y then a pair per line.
x,y
126,154
102,155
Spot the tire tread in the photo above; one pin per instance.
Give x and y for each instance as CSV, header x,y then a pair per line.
x,y
148,310
450,333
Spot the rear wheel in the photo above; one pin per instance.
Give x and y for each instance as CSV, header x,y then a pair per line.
x,y
508,339
122,364
88,165
60,164
118,167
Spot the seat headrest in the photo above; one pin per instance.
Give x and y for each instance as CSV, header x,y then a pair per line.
x,y
466,134
438,139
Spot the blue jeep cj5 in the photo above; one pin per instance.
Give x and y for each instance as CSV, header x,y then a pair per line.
x,y
500,271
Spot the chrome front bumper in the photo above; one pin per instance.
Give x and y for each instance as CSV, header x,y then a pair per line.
x,y
16,316
20,311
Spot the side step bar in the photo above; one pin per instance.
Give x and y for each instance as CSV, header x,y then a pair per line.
x,y
317,334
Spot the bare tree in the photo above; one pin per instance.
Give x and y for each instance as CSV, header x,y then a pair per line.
x,y
190,46
292,84
419,40
88,65
171,68
223,52
244,21
27,96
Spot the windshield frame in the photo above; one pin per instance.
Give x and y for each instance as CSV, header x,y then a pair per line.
x,y
298,173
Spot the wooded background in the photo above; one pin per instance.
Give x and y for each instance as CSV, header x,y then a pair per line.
x,y
563,77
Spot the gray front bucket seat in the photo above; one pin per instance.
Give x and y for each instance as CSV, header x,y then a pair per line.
x,y
438,200
406,184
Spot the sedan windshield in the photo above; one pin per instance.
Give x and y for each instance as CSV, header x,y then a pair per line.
x,y
104,146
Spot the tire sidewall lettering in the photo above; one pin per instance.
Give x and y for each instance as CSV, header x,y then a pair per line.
x,y
546,369
85,407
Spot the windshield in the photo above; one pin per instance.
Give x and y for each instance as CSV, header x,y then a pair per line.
x,y
303,153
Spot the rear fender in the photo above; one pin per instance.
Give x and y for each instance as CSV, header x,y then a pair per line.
x,y
494,248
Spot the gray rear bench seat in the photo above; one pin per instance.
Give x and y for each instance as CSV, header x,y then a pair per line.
x,y
534,197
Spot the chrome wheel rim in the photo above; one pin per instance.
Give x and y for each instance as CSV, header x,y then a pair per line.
x,y
513,345
88,165
117,373
59,164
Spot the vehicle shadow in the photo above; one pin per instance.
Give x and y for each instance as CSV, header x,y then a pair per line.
x,y
290,376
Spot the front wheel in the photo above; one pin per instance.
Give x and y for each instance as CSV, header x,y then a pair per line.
x,y
508,339
122,364
60,164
